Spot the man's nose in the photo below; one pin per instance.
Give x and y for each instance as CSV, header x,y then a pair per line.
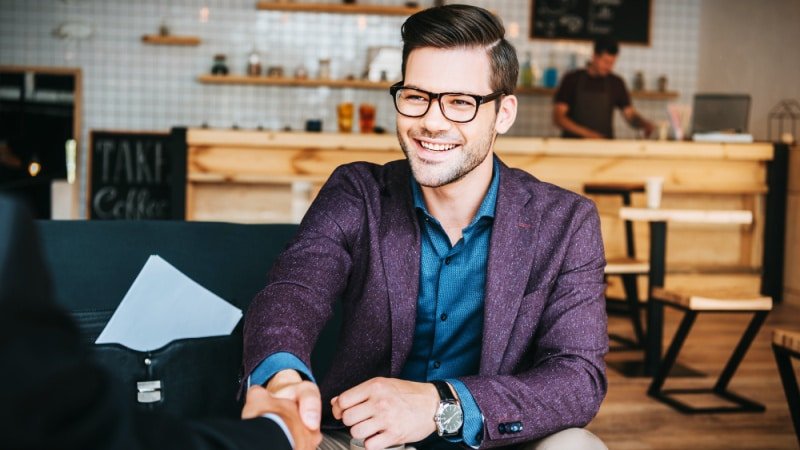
x,y
434,120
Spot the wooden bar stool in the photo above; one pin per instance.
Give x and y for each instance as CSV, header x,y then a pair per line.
x,y
692,305
628,268
786,345
658,219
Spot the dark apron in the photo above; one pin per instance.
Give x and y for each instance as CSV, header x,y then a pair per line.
x,y
592,109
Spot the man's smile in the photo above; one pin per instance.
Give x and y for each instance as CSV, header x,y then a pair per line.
x,y
436,147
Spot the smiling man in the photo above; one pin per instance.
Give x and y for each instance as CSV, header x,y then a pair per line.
x,y
472,292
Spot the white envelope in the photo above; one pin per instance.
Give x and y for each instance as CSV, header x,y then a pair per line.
x,y
163,305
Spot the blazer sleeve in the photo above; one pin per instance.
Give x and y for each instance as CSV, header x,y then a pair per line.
x,y
564,380
307,278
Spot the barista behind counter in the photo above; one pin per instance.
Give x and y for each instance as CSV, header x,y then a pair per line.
x,y
584,104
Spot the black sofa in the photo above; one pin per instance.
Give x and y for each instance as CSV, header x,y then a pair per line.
x,y
93,263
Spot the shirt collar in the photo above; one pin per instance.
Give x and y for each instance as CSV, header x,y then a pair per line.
x,y
487,205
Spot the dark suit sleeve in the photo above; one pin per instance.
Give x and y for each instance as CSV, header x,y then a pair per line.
x,y
53,396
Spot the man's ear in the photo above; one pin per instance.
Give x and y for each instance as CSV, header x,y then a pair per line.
x,y
507,114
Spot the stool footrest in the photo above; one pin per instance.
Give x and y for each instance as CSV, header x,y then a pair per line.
x,y
742,404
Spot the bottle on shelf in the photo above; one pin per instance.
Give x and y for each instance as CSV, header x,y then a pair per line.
x,y
638,81
573,62
526,71
551,72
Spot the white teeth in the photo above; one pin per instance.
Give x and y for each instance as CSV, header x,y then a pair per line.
x,y
437,147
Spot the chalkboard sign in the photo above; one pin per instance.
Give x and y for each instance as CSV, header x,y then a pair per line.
x,y
625,20
137,175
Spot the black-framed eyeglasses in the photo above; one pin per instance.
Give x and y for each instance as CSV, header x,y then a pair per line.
x,y
455,106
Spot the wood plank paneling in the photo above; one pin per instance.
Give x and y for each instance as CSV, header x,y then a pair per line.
x,y
702,176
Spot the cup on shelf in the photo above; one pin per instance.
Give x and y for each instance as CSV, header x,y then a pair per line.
x,y
366,117
344,116
653,187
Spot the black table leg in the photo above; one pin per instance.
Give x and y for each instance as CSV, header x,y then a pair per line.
x,y
655,310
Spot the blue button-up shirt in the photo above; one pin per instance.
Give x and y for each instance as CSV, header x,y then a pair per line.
x,y
449,322
452,282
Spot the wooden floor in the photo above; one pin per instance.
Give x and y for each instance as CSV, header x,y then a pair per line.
x,y
629,419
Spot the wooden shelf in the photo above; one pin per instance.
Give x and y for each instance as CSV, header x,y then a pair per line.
x,y
654,95
645,95
292,82
156,39
340,8
365,84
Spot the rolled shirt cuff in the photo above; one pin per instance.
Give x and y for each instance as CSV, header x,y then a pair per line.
x,y
472,430
273,364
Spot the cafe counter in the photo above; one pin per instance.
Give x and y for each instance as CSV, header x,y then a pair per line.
x,y
249,176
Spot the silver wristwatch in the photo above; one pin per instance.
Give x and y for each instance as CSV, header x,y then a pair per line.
x,y
449,417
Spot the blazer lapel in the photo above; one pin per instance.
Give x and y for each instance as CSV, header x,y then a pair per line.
x,y
511,253
400,250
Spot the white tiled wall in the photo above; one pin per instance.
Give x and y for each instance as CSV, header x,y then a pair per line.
x,y
131,86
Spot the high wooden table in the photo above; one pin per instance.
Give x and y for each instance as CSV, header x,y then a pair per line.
x,y
658,220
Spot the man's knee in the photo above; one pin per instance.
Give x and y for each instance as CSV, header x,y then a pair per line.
x,y
571,438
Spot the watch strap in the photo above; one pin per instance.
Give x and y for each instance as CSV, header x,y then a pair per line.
x,y
445,393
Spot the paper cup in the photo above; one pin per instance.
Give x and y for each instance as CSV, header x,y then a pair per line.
x,y
652,188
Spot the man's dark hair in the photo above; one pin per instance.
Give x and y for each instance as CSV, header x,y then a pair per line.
x,y
606,45
464,26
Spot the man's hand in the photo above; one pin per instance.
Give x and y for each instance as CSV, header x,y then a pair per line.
x,y
260,402
648,128
637,121
289,385
387,411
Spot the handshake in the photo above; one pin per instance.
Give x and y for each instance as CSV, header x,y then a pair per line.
x,y
381,412
260,402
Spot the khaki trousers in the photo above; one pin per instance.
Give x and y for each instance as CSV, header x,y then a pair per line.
x,y
569,439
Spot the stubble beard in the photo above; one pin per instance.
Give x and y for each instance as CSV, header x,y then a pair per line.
x,y
436,175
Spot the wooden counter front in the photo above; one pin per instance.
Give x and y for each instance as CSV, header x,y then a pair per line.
x,y
248,176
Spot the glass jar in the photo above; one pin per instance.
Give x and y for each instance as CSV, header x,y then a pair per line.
x,y
324,69
254,63
220,67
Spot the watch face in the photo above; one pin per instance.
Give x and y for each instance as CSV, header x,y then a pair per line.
x,y
451,418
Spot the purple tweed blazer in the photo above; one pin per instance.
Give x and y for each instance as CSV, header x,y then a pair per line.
x,y
544,335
